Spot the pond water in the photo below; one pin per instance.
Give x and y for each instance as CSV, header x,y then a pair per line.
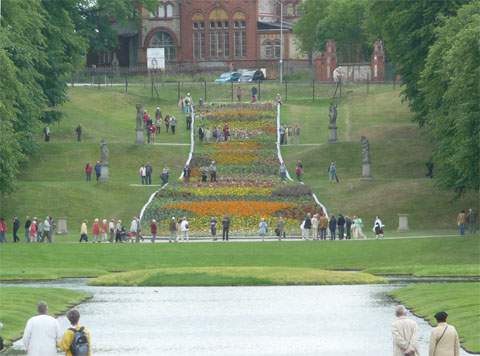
x,y
299,320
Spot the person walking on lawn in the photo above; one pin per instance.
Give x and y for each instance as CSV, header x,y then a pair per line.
x,y
3,230
98,170
143,174
84,232
299,170
76,341
315,223
16,227
461,220
378,228
225,227
173,228
341,226
28,222
280,230
173,124
88,172
213,172
262,228
333,227
148,173
323,225
307,226
153,230
213,228
348,227
95,230
184,229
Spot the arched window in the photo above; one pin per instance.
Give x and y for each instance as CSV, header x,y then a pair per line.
x,y
169,10
239,35
198,22
163,39
218,33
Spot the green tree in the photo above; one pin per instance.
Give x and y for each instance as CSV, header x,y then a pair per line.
x,y
344,22
313,11
450,86
407,28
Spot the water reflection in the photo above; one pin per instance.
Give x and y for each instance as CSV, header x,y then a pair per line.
x,y
300,320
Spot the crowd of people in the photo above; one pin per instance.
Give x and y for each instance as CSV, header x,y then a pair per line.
x,y
35,230
146,171
42,335
289,135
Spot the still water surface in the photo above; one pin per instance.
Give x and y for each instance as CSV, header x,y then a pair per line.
x,y
300,320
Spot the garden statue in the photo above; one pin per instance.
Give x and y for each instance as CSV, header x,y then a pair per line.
x,y
332,126
365,158
104,153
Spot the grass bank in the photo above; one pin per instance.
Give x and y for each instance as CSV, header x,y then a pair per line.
x,y
18,304
234,276
460,300
442,256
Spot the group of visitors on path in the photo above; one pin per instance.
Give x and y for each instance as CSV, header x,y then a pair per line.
x,y
111,231
289,135
89,169
145,173
35,230
154,128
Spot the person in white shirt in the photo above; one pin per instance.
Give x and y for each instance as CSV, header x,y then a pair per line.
x,y
184,229
143,174
405,334
46,229
42,333
134,229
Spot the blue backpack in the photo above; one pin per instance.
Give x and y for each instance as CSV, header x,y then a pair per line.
x,y
79,345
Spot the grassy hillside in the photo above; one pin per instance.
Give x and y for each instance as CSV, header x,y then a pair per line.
x,y
53,183
53,180
398,152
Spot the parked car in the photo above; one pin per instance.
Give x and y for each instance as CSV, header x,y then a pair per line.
x,y
247,76
228,77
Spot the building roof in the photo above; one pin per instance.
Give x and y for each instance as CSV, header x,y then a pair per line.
x,y
273,26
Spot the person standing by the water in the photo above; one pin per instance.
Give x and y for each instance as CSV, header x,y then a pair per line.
x,y
42,333
76,341
444,338
405,334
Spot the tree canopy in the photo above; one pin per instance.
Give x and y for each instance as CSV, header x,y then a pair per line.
x,y
41,43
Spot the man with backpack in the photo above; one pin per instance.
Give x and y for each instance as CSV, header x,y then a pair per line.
x,y
76,340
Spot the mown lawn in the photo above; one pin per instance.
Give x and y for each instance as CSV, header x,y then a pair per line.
x,y
441,256
18,304
234,276
460,300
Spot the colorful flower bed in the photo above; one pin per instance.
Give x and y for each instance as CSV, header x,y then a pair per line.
x,y
248,187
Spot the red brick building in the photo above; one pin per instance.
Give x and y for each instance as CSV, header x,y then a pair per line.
x,y
202,34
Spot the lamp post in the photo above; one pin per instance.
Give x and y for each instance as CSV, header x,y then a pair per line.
x,y
281,41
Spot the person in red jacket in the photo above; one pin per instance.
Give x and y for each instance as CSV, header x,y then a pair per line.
x,y
104,230
3,231
153,230
95,230
88,172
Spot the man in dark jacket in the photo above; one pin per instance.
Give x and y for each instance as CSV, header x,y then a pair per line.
x,y
332,225
307,226
28,222
148,173
98,170
348,227
341,226
225,227
16,227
